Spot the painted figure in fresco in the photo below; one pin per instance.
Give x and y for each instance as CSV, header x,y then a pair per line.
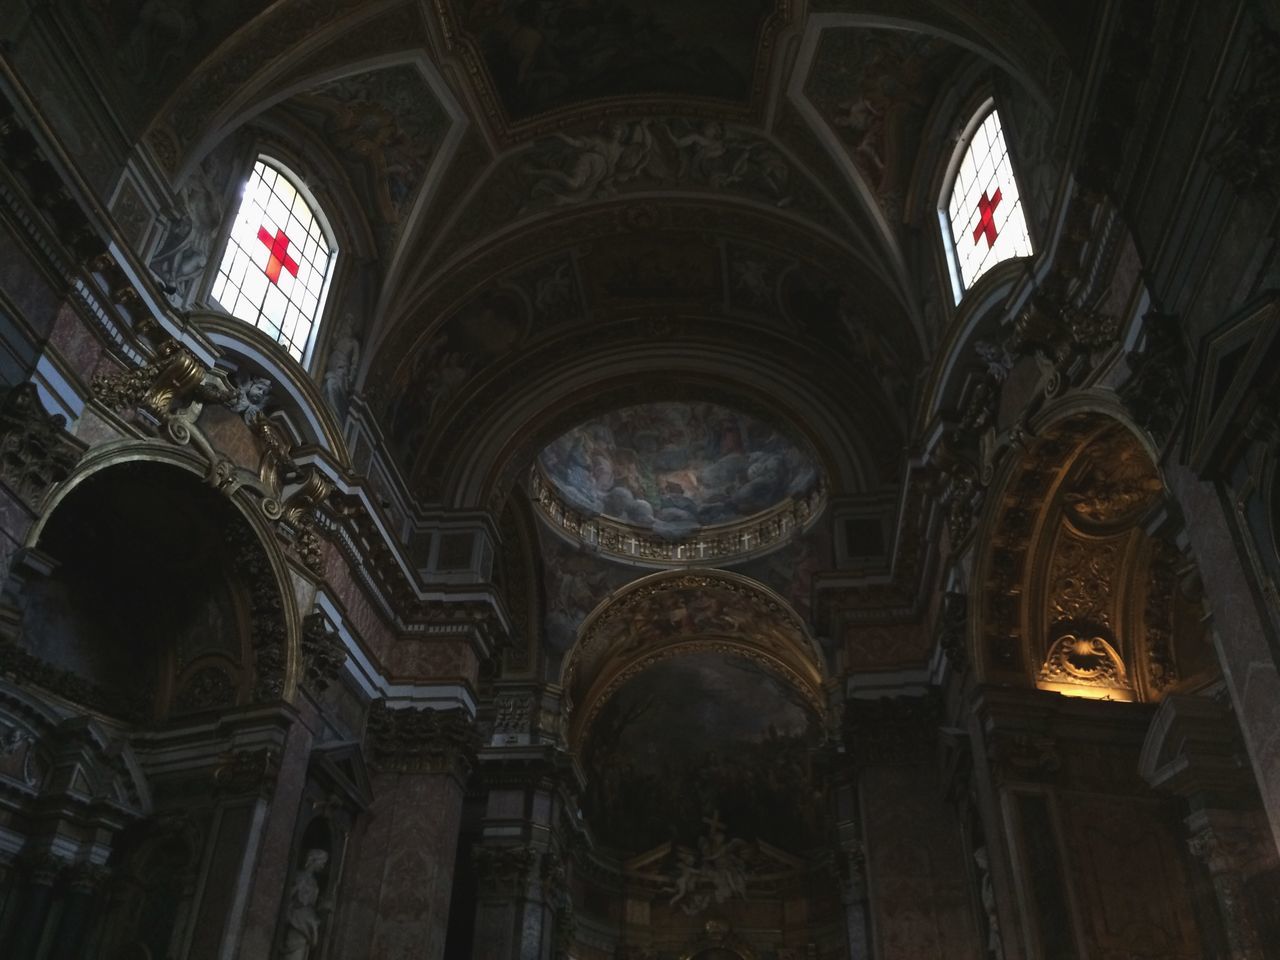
x,y
160,37
601,162
302,920
674,467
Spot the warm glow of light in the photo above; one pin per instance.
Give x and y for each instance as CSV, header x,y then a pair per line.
x,y
1086,692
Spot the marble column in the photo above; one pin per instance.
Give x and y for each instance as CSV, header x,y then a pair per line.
x,y
34,902
402,876
524,908
1228,842
1239,630
271,864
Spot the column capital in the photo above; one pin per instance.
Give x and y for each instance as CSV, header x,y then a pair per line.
x,y
412,740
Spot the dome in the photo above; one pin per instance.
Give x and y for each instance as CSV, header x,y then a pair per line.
x,y
677,482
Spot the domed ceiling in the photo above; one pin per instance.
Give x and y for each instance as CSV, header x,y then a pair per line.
x,y
676,470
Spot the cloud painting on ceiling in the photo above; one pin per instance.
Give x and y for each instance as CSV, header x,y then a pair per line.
x,y
698,735
673,468
542,56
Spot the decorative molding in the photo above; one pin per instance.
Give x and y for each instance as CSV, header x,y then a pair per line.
x,y
247,771
411,741
1156,391
953,628
1248,152
323,652
169,394
36,452
716,544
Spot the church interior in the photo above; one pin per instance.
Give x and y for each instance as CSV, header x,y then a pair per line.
x,y
647,480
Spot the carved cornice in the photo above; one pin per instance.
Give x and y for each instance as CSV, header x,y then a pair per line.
x,y
168,396
251,771
503,869
36,452
414,741
24,669
1023,757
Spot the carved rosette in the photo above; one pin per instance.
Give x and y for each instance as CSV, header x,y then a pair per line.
x,y
411,740
323,653
36,452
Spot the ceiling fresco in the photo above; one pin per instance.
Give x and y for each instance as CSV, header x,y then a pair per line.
x,y
700,735
674,468
384,126
875,88
544,56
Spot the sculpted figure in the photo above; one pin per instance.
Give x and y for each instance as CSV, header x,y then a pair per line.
x,y
181,260
302,921
251,398
344,364
995,948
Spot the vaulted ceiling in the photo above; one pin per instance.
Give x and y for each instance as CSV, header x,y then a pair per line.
x,y
561,207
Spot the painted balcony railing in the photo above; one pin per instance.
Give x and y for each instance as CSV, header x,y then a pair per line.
x,y
746,538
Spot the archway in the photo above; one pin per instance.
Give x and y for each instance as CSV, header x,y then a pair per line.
x,y
1081,593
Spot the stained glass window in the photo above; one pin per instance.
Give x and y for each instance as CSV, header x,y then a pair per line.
x,y
983,220
276,266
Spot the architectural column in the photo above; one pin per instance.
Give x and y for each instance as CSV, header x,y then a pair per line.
x,y
1229,844
398,900
271,865
1240,632
34,901
1193,751
919,900
524,910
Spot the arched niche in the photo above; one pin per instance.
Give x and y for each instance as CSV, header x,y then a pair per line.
x,y
1077,595
697,711
681,612
147,594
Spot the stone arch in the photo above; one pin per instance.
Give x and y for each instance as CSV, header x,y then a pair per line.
x,y
679,612
555,400
1078,590
264,598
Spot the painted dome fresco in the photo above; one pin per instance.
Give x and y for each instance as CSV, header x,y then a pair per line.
x,y
676,469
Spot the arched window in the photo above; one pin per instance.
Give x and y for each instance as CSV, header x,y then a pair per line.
x,y
981,209
279,257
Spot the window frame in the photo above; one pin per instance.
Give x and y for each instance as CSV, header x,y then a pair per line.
x,y
321,217
964,144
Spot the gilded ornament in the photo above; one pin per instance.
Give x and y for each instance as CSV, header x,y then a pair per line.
x,y
1087,660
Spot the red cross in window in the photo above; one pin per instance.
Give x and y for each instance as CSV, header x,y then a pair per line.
x,y
279,247
986,223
